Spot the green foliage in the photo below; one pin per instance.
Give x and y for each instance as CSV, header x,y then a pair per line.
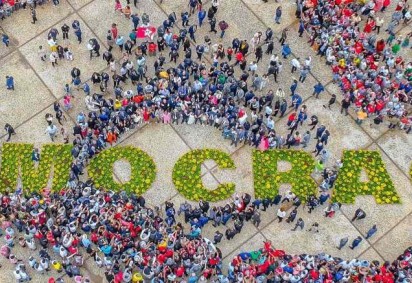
x,y
16,160
267,179
143,171
348,185
188,180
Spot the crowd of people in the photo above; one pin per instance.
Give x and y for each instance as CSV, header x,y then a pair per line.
x,y
269,264
218,86
373,76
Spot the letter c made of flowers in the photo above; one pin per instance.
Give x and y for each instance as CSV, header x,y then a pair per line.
x,y
187,176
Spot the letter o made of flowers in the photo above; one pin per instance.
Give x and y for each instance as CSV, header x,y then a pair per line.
x,y
143,169
187,176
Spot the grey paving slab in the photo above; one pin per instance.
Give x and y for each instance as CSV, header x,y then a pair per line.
x,y
203,137
393,244
77,4
331,230
47,16
33,131
56,77
397,145
29,90
370,255
266,13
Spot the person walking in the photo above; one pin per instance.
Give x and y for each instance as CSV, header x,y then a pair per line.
x,y
278,14
345,106
331,101
299,224
317,89
10,82
5,39
9,130
342,243
359,214
371,232
223,26
356,242
52,131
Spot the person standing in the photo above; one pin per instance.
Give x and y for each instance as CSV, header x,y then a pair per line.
x,y
278,14
53,58
33,15
10,131
281,214
212,23
10,82
65,31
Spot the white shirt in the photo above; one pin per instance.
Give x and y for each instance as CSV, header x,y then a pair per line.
x,y
295,63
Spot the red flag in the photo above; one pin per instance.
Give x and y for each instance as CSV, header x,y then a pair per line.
x,y
143,32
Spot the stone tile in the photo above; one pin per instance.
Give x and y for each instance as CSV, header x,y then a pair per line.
x,y
29,91
33,131
331,230
392,213
60,75
393,243
197,136
151,139
370,255
396,144
77,4
252,244
47,16
266,13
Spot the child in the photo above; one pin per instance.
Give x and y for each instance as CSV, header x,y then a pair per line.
x,y
68,54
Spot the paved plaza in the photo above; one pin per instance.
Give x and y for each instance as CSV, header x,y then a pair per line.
x,y
38,85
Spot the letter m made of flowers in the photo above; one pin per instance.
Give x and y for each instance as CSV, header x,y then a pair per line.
x,y
267,177
16,163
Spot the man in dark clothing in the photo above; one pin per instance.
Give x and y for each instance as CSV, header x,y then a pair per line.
x,y
65,30
359,214
345,106
10,131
